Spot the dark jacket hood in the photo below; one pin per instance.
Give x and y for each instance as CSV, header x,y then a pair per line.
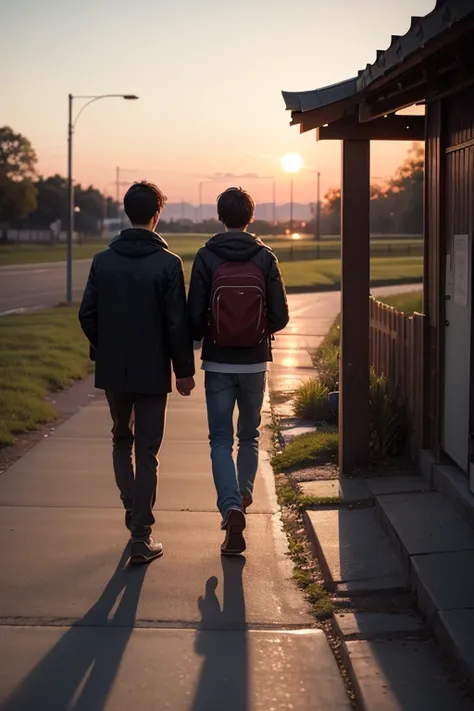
x,y
136,242
235,246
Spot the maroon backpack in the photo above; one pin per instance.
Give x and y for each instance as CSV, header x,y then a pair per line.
x,y
238,317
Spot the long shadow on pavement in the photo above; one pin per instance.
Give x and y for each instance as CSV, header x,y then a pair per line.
x,y
222,641
79,671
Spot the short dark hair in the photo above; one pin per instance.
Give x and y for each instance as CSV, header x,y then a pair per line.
x,y
235,207
142,201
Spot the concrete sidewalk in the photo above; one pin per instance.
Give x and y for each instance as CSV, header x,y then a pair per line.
x,y
192,632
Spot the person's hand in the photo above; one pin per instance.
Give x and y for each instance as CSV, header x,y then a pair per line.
x,y
185,386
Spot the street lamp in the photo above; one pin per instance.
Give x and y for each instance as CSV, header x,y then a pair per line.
x,y
291,163
71,126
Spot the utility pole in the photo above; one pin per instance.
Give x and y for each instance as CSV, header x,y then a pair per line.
x,y
70,200
200,202
117,194
274,204
291,205
117,185
317,231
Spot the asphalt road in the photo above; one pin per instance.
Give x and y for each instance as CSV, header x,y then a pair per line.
x,y
38,285
27,286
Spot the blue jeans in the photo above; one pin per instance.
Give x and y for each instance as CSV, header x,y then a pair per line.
x,y
223,391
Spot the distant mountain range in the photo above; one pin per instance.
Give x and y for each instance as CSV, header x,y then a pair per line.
x,y
178,211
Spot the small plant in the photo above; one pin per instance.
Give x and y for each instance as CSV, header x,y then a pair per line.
x,y
311,401
307,450
388,426
326,357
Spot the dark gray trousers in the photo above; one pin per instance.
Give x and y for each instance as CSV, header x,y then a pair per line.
x,y
137,420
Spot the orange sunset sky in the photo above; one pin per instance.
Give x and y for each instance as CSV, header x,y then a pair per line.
x,y
209,76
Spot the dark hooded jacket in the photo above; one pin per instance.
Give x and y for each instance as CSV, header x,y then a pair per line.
x,y
134,314
235,247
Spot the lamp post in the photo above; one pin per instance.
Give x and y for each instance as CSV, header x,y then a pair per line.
x,y
70,188
291,163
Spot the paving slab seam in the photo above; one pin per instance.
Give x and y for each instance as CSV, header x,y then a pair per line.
x,y
157,510
98,438
66,623
338,505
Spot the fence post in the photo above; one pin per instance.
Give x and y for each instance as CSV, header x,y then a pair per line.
x,y
396,353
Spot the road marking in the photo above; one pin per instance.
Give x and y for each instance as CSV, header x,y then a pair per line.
x,y
22,310
34,265
26,271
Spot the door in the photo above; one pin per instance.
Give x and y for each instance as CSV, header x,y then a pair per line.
x,y
458,295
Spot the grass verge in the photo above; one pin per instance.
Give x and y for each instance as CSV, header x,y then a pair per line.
x,y
408,303
308,449
306,572
326,273
186,245
40,352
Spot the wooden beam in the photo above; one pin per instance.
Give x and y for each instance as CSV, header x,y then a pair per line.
x,y
354,360
391,128
401,99
450,73
309,120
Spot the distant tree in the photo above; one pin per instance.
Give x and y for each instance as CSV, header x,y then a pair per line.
x,y
17,156
262,227
331,212
17,170
408,185
398,207
52,201
90,201
111,208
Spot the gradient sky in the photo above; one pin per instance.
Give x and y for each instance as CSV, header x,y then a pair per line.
x,y
209,75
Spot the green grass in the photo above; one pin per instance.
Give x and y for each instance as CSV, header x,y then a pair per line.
x,y
187,245
40,352
409,303
326,273
307,450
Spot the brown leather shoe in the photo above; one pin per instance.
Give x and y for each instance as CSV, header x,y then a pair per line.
x,y
234,543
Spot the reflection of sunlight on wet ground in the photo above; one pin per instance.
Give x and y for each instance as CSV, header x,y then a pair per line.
x,y
291,344
289,362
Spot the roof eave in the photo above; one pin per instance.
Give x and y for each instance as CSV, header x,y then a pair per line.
x,y
426,35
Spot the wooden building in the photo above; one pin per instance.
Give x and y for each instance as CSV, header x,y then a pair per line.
x,y
432,64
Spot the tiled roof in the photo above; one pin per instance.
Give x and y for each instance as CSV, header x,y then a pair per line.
x,y
422,30
316,98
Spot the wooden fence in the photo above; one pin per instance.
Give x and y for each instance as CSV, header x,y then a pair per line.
x,y
396,351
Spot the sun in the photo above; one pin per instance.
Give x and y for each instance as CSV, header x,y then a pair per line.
x,y
292,163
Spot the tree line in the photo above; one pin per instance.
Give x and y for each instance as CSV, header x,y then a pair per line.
x,y
28,200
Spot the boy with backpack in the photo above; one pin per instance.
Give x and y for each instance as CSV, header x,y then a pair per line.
x,y
236,302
